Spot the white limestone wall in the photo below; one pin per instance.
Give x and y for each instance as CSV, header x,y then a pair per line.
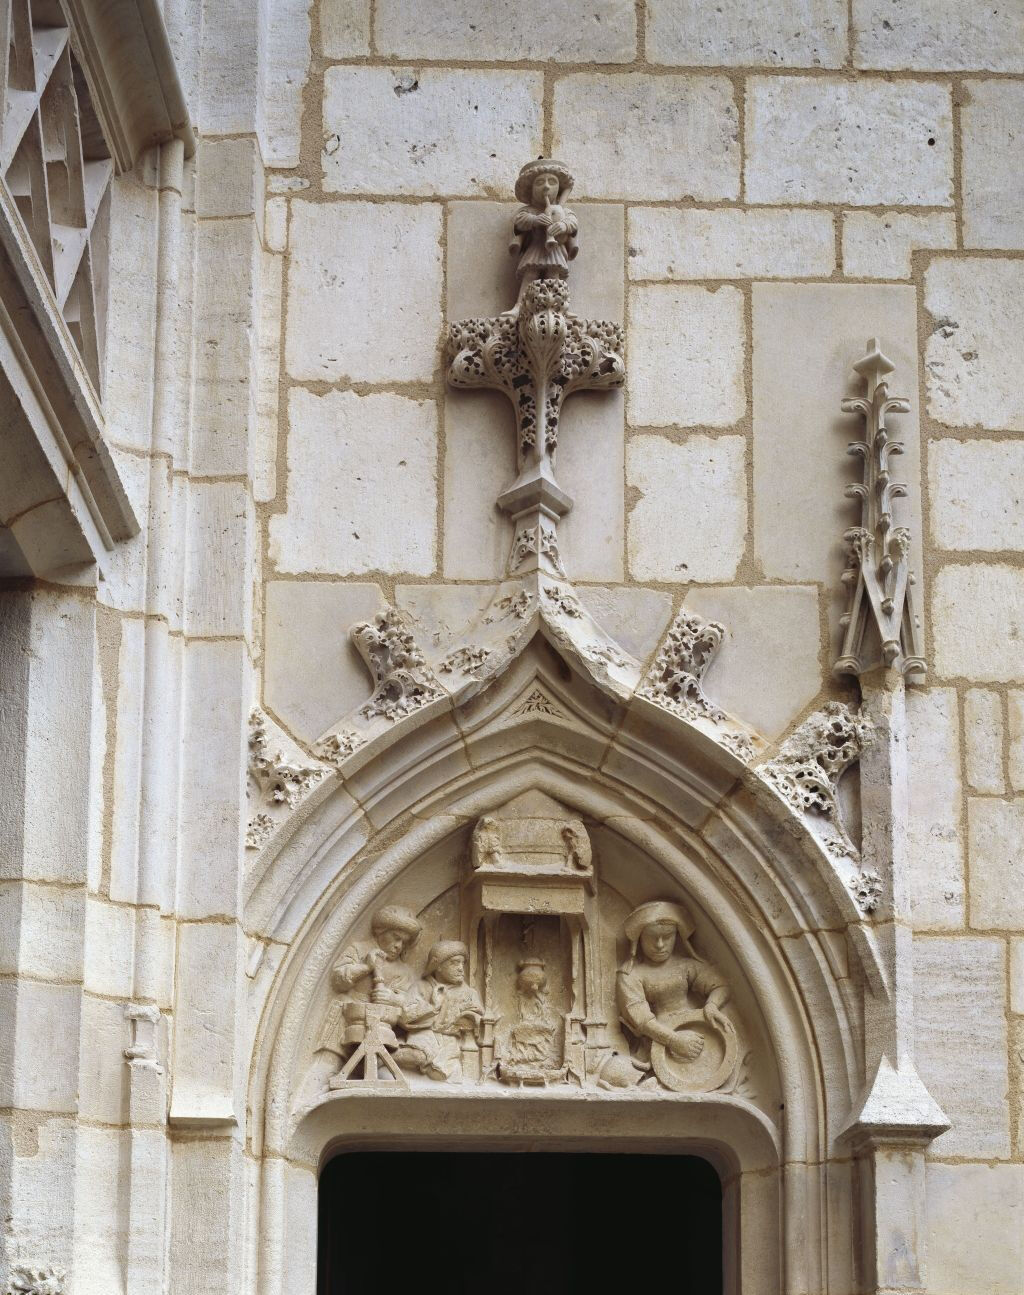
x,y
761,187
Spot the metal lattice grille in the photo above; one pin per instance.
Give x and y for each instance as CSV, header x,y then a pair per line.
x,y
56,165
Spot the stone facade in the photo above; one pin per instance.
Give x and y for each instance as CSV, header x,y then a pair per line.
x,y
366,593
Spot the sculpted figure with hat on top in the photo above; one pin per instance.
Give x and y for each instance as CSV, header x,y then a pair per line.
x,y
544,231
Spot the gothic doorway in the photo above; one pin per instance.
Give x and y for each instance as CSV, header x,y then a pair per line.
x,y
504,1223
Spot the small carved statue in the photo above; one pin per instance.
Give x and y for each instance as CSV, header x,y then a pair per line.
x,y
544,231
532,1053
656,986
577,849
486,847
372,974
447,1018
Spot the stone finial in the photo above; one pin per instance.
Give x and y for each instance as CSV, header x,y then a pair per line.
x,y
878,575
537,353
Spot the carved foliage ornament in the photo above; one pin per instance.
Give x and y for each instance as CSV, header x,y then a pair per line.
x,y
403,682
36,1281
811,761
273,781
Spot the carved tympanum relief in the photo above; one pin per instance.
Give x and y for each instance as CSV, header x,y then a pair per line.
x,y
527,986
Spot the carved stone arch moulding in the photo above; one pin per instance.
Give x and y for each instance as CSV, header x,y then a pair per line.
x,y
530,824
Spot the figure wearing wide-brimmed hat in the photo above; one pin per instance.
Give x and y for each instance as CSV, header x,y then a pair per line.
x,y
544,232
658,977
449,1014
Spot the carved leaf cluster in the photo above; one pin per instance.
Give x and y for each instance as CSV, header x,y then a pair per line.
x,y
810,762
337,747
276,780
675,680
36,1281
867,890
403,681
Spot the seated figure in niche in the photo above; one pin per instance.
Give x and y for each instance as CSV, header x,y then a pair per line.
x,y
373,971
533,1035
544,231
659,977
445,1017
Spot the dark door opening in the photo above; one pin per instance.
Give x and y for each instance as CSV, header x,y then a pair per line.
x,y
518,1224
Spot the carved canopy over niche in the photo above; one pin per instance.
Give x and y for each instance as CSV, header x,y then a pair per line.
x,y
535,950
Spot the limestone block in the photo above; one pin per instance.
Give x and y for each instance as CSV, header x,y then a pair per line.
x,y
229,178
686,349
649,137
934,826
864,143
978,622
217,597
347,324
975,1237
745,33
210,1174
977,493
275,224
128,730
428,130
801,467
634,618
479,463
268,377
959,993
227,271
996,852
690,518
976,348
206,1008
154,973
1015,726
312,674
104,1039
40,1070
723,243
41,929
347,454
1017,976
109,948
993,176
774,628
602,31
226,99
131,313
345,28
442,612
878,245
124,567
285,67
938,35
983,740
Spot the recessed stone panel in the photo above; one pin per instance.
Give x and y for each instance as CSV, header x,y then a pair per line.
x,y
879,245
994,161
978,622
745,33
728,243
977,494
996,851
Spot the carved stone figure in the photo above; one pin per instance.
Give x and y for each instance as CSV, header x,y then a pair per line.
x,y
376,992
670,1001
544,230
487,844
532,1053
444,1034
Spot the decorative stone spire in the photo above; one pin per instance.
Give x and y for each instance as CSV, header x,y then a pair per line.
x,y
537,353
881,627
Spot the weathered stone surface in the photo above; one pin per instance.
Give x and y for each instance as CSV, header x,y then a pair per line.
x,y
1017,976
1015,730
960,986
427,130
996,853
635,618
863,143
983,740
993,178
361,485
934,827
938,35
685,356
228,181
745,33
776,623
345,28
977,494
975,350
690,518
364,292
975,1234
978,622
800,466
721,243
601,31
878,245
653,137
479,463
285,69
313,674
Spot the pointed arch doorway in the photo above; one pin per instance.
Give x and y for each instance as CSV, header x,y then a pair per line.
x,y
552,1223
